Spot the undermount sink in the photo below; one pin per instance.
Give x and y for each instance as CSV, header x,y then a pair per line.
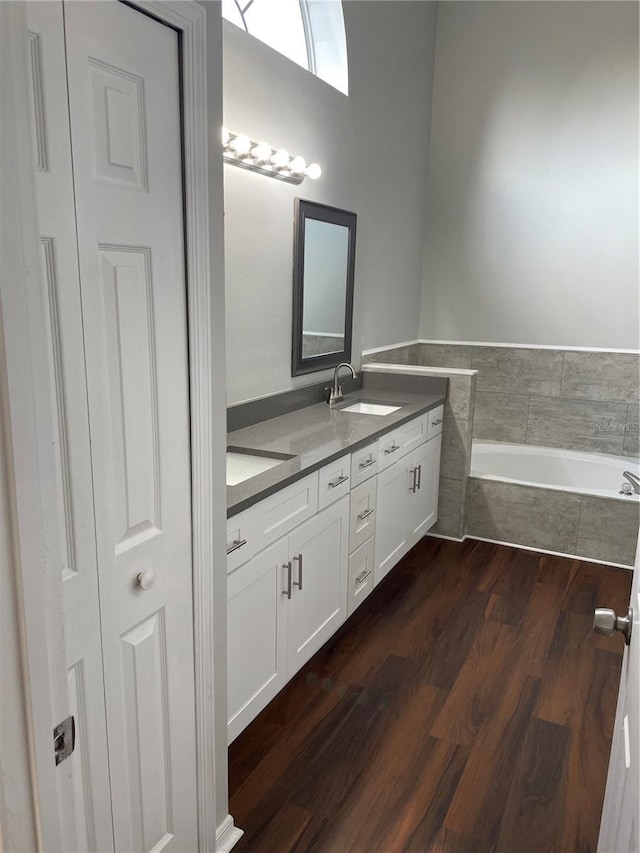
x,y
243,464
363,408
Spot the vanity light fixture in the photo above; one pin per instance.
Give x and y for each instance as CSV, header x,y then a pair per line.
x,y
260,157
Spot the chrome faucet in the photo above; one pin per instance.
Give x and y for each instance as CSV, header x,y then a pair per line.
x,y
336,392
635,481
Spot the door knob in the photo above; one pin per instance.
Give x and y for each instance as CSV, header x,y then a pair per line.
x,y
606,622
146,579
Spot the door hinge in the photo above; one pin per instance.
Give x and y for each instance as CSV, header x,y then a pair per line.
x,y
64,739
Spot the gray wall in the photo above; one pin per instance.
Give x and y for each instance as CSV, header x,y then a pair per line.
x,y
532,201
372,147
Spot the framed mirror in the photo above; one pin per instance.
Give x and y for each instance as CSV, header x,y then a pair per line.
x,y
324,257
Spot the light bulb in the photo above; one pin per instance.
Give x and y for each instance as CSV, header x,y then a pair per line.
x,y
241,144
225,136
280,158
261,152
313,171
298,165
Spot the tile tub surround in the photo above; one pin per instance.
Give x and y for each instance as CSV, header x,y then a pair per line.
x,y
599,529
315,434
457,429
556,397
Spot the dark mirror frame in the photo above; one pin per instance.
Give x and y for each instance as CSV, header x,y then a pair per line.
x,y
311,210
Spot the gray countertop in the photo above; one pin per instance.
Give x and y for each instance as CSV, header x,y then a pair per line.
x,y
316,435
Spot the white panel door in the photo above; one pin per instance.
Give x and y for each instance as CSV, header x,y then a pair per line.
x,y
83,779
123,78
256,634
391,527
620,827
422,500
319,553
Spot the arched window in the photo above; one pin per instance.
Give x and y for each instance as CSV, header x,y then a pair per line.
x,y
309,32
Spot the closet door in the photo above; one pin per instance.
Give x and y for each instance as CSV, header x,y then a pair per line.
x,y
84,795
123,80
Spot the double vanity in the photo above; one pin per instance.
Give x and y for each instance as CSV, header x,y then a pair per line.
x,y
322,503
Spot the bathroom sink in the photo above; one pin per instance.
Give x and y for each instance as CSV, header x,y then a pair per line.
x,y
364,408
242,464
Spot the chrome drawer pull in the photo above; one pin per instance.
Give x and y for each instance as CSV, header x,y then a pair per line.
x,y
367,464
414,484
237,543
363,575
436,423
366,514
287,591
392,449
339,481
419,483
298,583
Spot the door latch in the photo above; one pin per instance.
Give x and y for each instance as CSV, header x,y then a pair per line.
x,y
64,739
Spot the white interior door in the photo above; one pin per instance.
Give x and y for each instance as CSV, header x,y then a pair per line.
x,y
83,778
620,826
110,206
123,79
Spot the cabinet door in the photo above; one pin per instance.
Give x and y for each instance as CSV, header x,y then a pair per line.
x,y
422,501
256,635
391,541
318,606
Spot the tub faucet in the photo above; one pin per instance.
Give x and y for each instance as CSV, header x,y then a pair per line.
x,y
635,481
336,395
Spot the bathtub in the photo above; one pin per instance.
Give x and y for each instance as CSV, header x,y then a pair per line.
x,y
556,501
547,467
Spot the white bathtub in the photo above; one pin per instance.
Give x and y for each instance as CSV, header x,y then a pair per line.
x,y
548,467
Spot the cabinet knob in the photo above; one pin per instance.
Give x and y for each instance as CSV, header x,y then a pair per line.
x,y
146,579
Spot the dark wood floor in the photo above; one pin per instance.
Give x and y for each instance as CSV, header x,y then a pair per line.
x,y
466,706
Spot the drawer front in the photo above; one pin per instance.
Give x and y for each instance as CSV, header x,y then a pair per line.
x,y
334,481
242,538
394,445
364,464
434,426
413,434
360,575
286,509
362,513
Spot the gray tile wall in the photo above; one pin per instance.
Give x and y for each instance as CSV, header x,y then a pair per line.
x,y
597,528
554,398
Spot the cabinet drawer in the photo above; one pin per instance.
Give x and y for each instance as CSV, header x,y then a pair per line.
x,y
400,441
434,425
360,575
334,481
364,464
242,538
362,513
286,509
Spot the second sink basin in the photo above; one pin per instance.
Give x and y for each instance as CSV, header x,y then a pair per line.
x,y
364,408
243,464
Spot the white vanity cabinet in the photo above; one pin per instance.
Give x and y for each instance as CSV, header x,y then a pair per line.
x,y
283,605
318,606
422,497
391,524
256,635
407,503
303,559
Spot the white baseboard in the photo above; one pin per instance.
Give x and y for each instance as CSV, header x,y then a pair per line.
x,y
227,835
448,538
547,551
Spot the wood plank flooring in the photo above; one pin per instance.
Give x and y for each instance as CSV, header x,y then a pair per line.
x,y
467,706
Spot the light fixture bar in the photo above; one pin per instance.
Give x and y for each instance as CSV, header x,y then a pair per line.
x,y
260,157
